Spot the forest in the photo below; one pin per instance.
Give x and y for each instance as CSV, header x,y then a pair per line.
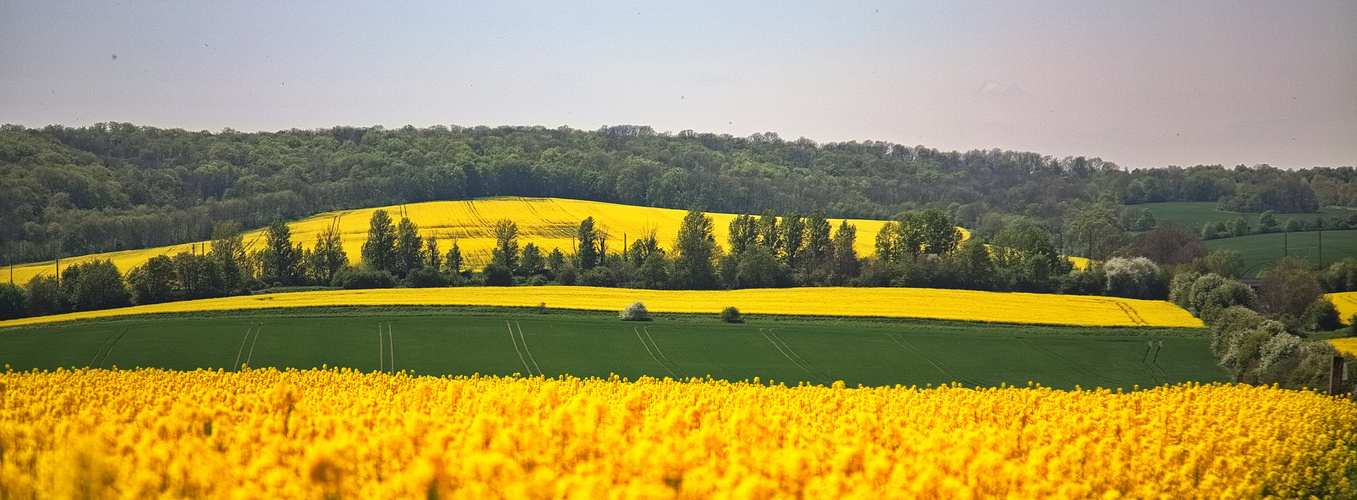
x,y
115,186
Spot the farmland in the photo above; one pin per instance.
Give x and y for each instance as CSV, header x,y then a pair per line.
x,y
545,222
1193,213
1262,251
339,433
965,305
444,341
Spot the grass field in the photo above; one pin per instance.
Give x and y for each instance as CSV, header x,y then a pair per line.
x,y
1262,251
1194,214
505,341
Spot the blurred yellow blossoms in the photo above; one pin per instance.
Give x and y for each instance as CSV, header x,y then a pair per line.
x,y
343,434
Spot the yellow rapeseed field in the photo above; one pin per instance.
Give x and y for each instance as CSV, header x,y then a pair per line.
x,y
1348,345
1346,303
546,222
344,434
969,305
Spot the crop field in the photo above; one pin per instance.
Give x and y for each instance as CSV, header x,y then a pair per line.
x,y
431,342
1263,251
964,305
1193,214
343,434
1347,345
546,222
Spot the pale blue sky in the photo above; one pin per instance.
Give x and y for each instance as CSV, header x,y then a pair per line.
x,y
1143,84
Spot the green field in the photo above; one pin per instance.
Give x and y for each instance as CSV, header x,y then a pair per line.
x,y
1262,251
867,352
1193,213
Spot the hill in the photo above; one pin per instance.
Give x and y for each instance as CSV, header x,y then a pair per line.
x,y
546,222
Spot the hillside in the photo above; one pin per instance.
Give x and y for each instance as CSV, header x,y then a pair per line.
x,y
120,186
546,222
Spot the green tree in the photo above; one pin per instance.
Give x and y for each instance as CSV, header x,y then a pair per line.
x,y
643,248
94,285
13,301
505,252
845,255
770,232
694,267
409,248
1267,222
1096,231
379,252
280,261
744,233
588,252
153,282
435,259
1288,289
328,256
818,245
228,248
793,236
452,263
939,234
44,296
532,262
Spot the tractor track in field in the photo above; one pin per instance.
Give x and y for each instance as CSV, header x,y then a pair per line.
x,y
1067,362
938,363
1133,314
253,327
521,338
109,343
668,365
787,351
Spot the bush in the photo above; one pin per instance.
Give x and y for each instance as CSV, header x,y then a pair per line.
x,y
731,315
1136,278
635,312
1321,316
497,274
425,277
13,301
353,278
598,276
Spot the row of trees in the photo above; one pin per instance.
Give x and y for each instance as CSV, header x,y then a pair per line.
x,y
114,186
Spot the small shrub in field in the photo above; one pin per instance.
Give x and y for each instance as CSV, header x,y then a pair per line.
x,y
731,315
635,312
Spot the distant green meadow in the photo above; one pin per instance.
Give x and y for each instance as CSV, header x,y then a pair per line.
x,y
1263,251
450,341
1194,214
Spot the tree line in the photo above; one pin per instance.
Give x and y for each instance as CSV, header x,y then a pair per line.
x,y
116,186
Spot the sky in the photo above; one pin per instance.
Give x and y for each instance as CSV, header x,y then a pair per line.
x,y
1141,84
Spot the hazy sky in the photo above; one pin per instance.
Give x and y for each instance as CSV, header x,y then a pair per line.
x,y
1142,84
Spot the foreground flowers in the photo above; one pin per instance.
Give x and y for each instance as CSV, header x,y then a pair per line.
x,y
339,433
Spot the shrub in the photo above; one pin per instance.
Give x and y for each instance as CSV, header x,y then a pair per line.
x,y
425,277
13,301
497,274
731,315
1321,316
635,312
354,278
598,276
1137,278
